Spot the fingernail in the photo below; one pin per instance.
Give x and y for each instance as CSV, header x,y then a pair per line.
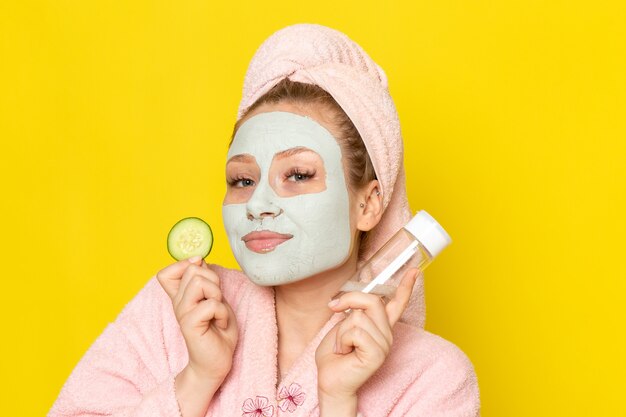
x,y
194,259
333,303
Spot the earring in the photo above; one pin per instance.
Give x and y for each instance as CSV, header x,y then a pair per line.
x,y
361,205
377,192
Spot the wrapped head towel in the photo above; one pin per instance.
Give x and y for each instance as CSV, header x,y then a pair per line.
x,y
315,54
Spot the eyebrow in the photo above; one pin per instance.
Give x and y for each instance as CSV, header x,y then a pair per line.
x,y
292,151
242,157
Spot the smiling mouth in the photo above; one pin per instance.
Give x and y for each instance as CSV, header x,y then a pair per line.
x,y
264,241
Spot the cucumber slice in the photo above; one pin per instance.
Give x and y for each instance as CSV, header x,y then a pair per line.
x,y
189,237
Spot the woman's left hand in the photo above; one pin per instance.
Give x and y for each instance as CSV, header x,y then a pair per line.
x,y
357,346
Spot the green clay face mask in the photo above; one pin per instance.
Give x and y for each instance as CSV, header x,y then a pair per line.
x,y
280,237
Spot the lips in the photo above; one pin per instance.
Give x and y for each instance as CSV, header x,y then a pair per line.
x,y
264,241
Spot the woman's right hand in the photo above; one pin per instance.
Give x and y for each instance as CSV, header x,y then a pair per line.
x,y
206,320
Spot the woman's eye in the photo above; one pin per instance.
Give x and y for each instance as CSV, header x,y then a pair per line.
x,y
297,176
246,182
241,182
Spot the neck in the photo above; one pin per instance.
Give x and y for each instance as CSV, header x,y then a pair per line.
x,y
307,300
302,308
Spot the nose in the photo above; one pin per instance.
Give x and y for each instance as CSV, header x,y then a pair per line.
x,y
261,204
264,214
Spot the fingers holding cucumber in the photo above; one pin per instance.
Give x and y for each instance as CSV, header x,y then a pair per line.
x,y
197,282
171,277
207,322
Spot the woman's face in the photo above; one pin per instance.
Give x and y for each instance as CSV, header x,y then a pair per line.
x,y
287,206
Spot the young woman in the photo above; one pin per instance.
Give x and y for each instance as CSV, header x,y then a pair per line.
x,y
315,186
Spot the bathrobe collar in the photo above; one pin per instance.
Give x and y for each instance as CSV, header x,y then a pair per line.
x,y
253,389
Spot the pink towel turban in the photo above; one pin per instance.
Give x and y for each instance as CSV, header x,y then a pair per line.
x,y
315,54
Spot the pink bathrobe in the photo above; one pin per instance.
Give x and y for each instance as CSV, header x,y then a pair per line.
x,y
130,369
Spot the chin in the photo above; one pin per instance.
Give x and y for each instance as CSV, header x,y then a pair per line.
x,y
284,267
265,281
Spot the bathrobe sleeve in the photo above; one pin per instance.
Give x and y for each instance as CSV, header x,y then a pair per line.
x,y
126,371
446,387
129,370
423,376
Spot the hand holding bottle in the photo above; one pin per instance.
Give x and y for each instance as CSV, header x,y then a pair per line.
x,y
358,345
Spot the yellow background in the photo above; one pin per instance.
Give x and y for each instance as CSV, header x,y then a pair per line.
x,y
114,122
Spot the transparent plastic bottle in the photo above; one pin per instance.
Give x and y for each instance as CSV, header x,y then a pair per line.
x,y
420,240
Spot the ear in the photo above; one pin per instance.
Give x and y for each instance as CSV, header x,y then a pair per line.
x,y
370,206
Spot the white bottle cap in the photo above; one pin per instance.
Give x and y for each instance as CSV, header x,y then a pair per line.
x,y
430,234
